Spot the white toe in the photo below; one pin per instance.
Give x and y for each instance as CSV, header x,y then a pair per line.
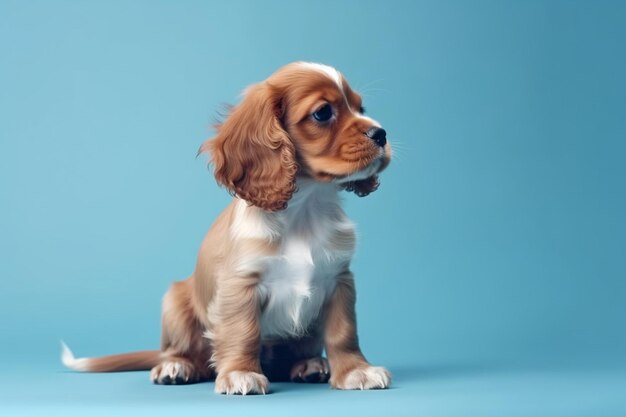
x,y
372,377
240,382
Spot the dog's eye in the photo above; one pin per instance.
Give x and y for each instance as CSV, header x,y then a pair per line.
x,y
362,110
324,113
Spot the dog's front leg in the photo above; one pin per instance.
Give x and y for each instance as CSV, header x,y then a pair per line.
x,y
348,367
236,338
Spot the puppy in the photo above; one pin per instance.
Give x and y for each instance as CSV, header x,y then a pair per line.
x,y
272,286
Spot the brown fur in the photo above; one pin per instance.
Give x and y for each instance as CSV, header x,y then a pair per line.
x,y
255,160
134,361
259,150
340,337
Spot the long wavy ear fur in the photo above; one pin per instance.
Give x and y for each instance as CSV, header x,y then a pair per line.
x,y
252,154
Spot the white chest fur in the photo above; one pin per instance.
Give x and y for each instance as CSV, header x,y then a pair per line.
x,y
297,281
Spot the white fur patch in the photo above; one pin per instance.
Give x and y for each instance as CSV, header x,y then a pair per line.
x,y
330,72
372,377
68,359
297,281
253,224
239,382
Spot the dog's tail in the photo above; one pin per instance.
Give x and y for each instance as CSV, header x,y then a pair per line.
x,y
134,361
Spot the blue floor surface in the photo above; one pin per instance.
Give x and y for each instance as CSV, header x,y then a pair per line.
x,y
417,391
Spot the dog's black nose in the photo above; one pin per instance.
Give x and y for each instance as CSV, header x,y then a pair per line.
x,y
378,135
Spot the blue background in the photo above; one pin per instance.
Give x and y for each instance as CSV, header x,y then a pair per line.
x,y
491,265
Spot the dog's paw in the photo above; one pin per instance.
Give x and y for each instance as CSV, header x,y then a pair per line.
x,y
368,377
310,370
241,382
173,372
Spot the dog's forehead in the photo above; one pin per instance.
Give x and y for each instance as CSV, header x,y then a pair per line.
x,y
303,77
304,84
326,70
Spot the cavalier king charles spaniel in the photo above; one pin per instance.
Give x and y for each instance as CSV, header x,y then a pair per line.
x,y
272,287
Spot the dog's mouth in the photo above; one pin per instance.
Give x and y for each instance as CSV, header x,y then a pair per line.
x,y
350,170
370,169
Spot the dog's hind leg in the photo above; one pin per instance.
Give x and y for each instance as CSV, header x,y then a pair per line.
x,y
310,367
312,370
297,359
186,352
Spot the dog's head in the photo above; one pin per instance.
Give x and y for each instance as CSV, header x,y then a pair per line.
x,y
304,120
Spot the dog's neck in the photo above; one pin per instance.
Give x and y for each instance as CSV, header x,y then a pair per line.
x,y
312,202
312,193
313,207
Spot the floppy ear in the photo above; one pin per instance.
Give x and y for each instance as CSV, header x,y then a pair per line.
x,y
363,187
252,155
